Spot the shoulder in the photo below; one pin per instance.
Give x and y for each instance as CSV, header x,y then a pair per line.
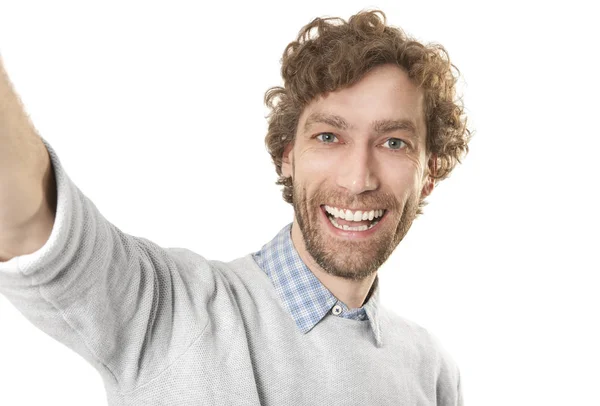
x,y
240,271
407,331
424,344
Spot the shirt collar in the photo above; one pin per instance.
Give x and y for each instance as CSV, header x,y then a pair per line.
x,y
305,297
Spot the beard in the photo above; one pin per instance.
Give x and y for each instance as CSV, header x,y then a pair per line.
x,y
350,259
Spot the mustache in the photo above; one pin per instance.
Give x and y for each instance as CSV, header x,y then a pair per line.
x,y
380,200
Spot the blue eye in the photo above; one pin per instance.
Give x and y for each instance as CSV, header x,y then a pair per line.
x,y
327,138
395,143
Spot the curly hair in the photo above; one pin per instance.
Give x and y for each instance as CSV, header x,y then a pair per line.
x,y
330,54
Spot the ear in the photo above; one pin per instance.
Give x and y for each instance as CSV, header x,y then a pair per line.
x,y
287,160
429,181
427,187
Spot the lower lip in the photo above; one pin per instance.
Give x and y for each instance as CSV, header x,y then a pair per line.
x,y
351,234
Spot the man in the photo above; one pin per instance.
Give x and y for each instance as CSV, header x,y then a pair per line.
x,y
364,126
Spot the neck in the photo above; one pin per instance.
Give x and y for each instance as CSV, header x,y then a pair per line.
x,y
351,292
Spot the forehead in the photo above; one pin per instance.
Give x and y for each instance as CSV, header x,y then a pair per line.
x,y
385,93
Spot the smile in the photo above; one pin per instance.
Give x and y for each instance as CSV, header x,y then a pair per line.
x,y
363,220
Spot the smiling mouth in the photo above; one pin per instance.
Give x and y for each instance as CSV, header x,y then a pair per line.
x,y
358,220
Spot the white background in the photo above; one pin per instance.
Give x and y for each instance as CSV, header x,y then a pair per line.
x,y
156,111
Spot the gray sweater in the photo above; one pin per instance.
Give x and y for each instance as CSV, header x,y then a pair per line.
x,y
169,327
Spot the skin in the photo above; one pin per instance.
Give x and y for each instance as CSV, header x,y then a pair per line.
x,y
341,158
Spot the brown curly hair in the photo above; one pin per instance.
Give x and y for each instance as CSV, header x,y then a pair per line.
x,y
338,56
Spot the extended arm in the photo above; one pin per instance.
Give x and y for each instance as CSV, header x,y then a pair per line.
x,y
126,305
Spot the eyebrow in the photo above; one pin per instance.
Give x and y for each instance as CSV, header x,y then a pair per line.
x,y
380,127
388,126
330,119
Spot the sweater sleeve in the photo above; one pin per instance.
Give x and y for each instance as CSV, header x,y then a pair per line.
x,y
122,302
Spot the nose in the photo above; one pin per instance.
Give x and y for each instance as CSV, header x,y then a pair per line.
x,y
356,172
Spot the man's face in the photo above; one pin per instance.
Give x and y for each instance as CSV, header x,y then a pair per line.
x,y
360,149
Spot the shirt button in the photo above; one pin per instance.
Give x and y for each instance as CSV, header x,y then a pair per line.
x,y
337,309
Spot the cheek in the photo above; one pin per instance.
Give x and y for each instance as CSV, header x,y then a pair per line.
x,y
403,178
415,165
402,185
314,166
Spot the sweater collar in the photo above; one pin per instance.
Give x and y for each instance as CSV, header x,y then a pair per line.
x,y
305,297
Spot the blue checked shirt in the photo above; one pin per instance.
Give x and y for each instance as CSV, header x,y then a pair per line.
x,y
305,297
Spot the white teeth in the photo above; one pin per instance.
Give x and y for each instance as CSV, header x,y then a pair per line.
x,y
349,215
357,215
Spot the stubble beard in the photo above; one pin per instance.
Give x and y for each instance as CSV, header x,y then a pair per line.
x,y
353,260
